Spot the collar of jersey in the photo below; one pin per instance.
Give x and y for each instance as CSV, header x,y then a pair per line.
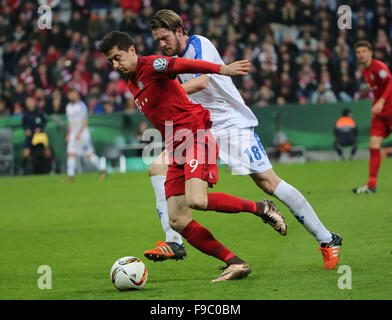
x,y
187,44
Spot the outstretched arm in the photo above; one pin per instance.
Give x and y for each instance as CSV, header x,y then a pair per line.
x,y
237,68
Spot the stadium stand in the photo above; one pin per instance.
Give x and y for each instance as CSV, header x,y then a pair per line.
x,y
295,46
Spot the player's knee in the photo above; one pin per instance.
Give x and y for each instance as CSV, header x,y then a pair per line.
x,y
157,169
197,201
176,224
374,145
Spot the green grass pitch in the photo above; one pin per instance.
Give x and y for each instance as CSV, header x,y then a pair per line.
x,y
80,229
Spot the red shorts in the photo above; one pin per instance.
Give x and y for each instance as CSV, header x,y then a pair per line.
x,y
199,161
381,126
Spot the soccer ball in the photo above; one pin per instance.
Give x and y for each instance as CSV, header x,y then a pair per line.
x,y
128,273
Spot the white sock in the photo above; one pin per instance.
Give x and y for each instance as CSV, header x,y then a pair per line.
x,y
158,183
94,160
71,165
302,210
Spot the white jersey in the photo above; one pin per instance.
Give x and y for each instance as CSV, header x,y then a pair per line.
x,y
76,113
220,97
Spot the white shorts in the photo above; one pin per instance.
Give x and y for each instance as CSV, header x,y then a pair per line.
x,y
81,146
241,150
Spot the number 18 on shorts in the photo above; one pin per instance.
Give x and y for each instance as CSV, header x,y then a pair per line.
x,y
242,150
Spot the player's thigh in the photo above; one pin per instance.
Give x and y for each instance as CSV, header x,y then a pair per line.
x,y
196,193
242,150
266,180
87,144
180,215
74,146
379,129
160,165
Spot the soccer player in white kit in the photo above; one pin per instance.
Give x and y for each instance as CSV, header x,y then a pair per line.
x,y
239,146
78,136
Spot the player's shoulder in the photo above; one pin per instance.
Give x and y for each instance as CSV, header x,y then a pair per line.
x,y
147,59
69,106
157,62
199,47
381,69
198,37
378,64
200,41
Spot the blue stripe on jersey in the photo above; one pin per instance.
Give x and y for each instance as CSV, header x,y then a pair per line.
x,y
196,43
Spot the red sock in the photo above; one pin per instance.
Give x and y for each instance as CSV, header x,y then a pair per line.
x,y
223,202
203,240
374,166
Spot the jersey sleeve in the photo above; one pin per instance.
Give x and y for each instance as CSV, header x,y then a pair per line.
x,y
181,65
170,67
383,73
203,50
161,67
385,78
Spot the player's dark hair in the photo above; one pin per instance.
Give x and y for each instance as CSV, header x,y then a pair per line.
x,y
121,39
167,19
363,43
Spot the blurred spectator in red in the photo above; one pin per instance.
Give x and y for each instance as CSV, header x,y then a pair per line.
x,y
42,79
27,78
18,111
133,5
52,55
79,83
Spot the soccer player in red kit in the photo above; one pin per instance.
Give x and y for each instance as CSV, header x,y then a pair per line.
x,y
379,79
162,99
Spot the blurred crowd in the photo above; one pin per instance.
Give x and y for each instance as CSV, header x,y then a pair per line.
x,y
298,52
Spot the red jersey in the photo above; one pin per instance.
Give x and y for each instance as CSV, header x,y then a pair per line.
x,y
161,97
378,78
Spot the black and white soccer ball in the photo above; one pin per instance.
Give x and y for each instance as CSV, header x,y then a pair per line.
x,y
128,273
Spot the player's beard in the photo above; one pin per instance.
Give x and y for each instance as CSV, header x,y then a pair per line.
x,y
175,50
